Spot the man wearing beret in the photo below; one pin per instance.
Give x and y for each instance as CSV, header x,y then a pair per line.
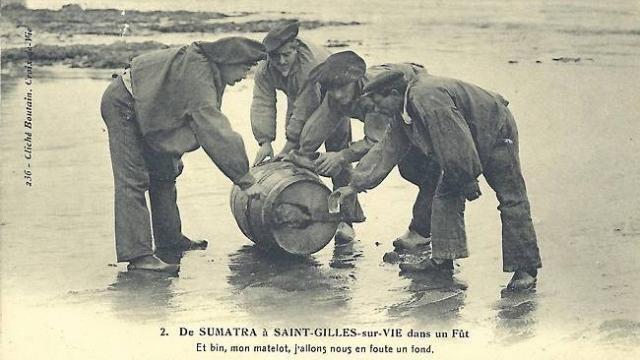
x,y
289,61
469,131
167,103
341,78
334,83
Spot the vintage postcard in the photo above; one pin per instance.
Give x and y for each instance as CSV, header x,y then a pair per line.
x,y
135,222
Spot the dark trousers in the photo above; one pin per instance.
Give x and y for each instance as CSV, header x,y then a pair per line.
x,y
503,173
423,172
336,136
136,170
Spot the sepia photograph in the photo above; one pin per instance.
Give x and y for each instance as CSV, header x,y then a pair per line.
x,y
334,179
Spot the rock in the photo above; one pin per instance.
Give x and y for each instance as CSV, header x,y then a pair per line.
x,y
8,5
336,44
111,56
566,59
71,8
337,264
331,43
391,257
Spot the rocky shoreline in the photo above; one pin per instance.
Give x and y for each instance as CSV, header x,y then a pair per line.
x,y
111,56
56,27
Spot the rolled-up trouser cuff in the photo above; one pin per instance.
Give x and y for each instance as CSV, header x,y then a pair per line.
x,y
128,258
514,268
448,234
526,259
449,248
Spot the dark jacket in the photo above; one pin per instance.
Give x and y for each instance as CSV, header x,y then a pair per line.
x,y
456,122
178,93
268,80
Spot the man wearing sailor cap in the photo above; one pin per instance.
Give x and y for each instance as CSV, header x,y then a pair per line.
x,y
287,68
168,103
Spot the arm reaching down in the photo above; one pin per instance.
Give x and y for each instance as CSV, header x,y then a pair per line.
x,y
263,108
223,145
375,126
381,159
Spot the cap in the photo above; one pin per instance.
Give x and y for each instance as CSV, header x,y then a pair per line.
x,y
339,69
280,35
385,80
233,50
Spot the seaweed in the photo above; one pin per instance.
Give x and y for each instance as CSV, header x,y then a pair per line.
x,y
110,56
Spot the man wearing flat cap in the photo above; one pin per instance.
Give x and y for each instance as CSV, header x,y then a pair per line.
x,y
165,104
341,78
469,131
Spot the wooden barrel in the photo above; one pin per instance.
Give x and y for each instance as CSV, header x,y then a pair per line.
x,y
293,217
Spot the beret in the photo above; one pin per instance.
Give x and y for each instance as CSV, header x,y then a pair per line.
x,y
339,69
233,50
280,35
383,81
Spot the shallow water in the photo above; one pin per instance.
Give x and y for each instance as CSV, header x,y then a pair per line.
x,y
57,249
522,30
61,290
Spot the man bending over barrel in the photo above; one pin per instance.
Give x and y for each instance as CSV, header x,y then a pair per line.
x,y
341,77
167,103
469,131
287,67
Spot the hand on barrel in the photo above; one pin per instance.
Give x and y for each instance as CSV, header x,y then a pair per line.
x,y
330,163
265,151
256,191
339,196
288,146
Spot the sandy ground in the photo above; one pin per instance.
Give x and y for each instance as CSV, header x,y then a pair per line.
x,y
62,294
579,141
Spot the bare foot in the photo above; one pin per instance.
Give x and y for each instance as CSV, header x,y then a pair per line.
x,y
410,240
185,244
152,263
522,280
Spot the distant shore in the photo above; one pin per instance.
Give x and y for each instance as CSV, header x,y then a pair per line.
x,y
55,29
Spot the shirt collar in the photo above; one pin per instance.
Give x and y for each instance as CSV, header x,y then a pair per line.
x,y
405,115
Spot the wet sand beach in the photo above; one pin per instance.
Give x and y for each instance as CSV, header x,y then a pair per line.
x,y
63,295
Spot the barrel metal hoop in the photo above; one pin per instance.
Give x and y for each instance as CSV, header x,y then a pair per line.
x,y
247,216
236,191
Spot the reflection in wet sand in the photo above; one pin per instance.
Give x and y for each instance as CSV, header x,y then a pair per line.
x,y
432,298
345,256
141,295
620,332
144,295
516,317
293,288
